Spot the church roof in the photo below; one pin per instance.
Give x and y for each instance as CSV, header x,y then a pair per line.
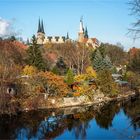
x,y
40,26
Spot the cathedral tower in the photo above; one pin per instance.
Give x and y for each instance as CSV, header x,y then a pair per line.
x,y
81,31
40,33
86,33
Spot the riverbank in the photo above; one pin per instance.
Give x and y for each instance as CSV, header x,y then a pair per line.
x,y
98,101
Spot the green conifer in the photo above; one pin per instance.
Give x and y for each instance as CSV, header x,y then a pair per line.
x,y
69,77
34,55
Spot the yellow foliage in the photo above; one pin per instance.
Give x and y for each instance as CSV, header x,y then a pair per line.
x,y
80,77
90,72
29,70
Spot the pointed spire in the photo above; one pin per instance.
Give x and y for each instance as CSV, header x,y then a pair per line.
x,y
81,25
42,27
86,33
67,36
39,26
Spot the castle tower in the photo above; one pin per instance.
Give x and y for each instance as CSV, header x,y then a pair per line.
x,y
81,31
67,36
40,33
86,33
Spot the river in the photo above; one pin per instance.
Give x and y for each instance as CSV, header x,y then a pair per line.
x,y
112,122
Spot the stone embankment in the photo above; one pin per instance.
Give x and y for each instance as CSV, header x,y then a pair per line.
x,y
98,101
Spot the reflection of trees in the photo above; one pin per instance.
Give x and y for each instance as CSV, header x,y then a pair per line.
x,y
79,122
29,124
78,126
105,116
132,110
45,125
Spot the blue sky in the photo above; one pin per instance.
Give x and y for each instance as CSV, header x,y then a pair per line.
x,y
107,20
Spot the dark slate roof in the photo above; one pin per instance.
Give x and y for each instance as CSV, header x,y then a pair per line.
x,y
39,26
42,27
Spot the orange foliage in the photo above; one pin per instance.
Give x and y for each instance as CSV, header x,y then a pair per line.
x,y
76,94
55,82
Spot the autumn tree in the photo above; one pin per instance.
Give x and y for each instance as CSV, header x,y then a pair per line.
x,y
75,55
134,63
34,55
116,54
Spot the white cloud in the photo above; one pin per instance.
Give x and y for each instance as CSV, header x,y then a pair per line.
x,y
6,28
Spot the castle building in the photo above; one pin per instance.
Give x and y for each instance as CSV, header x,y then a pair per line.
x,y
83,37
43,39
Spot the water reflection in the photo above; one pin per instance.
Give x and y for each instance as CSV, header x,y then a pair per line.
x,y
76,123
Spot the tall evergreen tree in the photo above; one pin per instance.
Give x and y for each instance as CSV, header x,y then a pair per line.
x,y
100,60
97,61
34,55
70,77
102,50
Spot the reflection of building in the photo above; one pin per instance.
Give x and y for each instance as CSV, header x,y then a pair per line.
x,y
84,38
42,38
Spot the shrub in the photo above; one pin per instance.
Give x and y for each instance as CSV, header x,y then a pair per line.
x,y
29,70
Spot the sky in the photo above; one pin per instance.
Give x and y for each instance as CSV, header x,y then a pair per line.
x,y
107,20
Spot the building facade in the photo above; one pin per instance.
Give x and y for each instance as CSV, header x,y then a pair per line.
x,y
43,39
83,37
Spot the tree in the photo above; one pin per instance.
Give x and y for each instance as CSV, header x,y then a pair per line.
x,y
61,66
134,63
34,55
116,54
75,55
106,83
135,10
100,61
70,77
12,38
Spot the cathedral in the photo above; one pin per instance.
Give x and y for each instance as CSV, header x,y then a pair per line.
x,y
42,38
82,36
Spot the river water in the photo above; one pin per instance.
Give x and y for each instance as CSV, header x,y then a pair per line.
x,y
115,121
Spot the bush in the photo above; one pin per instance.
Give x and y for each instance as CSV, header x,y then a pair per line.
x,y
29,70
